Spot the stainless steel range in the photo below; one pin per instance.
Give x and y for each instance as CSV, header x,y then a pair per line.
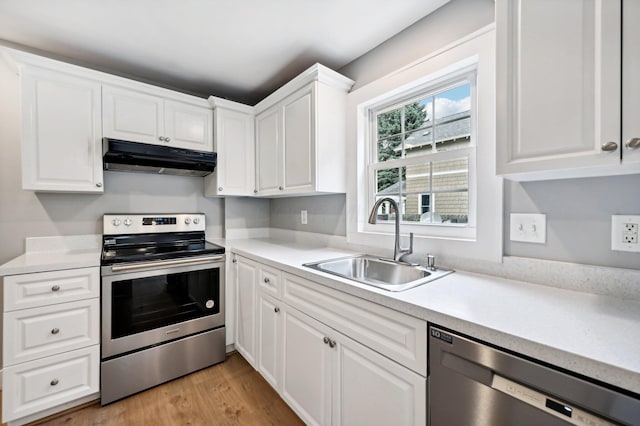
x,y
162,301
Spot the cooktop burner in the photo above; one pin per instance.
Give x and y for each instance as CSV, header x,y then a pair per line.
x,y
136,238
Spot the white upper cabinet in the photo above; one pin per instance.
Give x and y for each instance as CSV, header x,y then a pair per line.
x,y
300,136
61,132
268,151
559,88
137,116
233,125
631,84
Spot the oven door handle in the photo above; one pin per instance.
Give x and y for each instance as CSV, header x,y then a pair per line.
x,y
177,262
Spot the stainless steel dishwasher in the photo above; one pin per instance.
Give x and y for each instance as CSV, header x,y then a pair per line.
x,y
473,384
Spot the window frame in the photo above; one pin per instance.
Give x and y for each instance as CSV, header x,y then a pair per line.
x,y
388,102
476,50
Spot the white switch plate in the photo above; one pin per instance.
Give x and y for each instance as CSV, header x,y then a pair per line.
x,y
303,217
624,232
528,227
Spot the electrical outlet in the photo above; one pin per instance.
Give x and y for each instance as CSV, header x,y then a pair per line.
x,y
303,217
624,232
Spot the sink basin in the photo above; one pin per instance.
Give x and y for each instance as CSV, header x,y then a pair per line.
x,y
382,273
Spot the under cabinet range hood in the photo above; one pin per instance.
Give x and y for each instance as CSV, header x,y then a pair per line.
x,y
125,156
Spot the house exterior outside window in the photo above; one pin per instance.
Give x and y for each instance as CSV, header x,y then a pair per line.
x,y
409,136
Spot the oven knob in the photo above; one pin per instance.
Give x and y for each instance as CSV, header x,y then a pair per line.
x,y
128,222
187,221
196,220
116,222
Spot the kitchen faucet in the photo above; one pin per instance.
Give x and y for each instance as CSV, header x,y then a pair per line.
x,y
398,252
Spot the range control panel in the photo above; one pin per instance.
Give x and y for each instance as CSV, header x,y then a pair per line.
x,y
117,224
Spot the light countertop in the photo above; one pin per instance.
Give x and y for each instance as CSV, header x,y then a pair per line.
x,y
55,253
593,335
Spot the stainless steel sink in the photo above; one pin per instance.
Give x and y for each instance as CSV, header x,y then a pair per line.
x,y
381,273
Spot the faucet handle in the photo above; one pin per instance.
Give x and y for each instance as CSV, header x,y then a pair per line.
x,y
431,262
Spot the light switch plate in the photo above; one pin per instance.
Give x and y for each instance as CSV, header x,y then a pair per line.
x,y
624,232
528,227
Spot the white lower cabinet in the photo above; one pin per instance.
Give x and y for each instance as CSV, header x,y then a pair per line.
x,y
307,361
269,339
331,379
35,386
334,358
51,342
246,277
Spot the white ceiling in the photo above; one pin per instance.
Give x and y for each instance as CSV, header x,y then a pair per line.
x,y
239,49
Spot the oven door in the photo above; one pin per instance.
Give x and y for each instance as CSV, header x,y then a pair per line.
x,y
144,304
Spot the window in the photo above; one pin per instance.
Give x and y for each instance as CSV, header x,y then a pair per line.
x,y
421,146
424,136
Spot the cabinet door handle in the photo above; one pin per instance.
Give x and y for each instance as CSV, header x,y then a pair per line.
x,y
234,261
55,330
219,188
167,139
99,184
161,138
255,191
609,146
266,280
280,188
332,343
54,382
55,288
276,309
325,340
633,143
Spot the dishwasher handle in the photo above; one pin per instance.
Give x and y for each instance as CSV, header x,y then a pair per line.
x,y
548,404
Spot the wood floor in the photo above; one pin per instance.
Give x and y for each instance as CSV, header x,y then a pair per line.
x,y
230,393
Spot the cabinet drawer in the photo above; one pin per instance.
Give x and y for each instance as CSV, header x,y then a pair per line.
x,y
46,288
400,337
35,333
269,280
39,385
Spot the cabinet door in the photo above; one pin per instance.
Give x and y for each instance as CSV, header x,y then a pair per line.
x,y
299,141
132,116
61,132
188,126
631,84
269,339
246,276
48,330
307,365
234,144
30,387
558,80
369,389
268,151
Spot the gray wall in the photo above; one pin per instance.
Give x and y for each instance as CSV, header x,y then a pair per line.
x,y
326,214
578,218
30,214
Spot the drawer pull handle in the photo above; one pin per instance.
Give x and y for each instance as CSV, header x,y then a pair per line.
x,y
55,330
266,280
54,382
55,288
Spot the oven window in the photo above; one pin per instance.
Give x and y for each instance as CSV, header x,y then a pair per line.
x,y
148,303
